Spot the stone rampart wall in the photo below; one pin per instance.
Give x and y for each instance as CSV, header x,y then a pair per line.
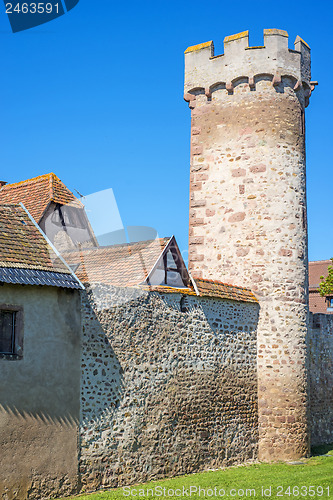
x,y
169,385
321,378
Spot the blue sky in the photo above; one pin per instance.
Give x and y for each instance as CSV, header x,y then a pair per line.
x,y
96,96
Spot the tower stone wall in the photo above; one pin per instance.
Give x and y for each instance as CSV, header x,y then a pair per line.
x,y
248,209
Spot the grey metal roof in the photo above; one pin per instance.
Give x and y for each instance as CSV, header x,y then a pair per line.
x,y
36,277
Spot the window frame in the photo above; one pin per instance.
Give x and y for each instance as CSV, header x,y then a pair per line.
x,y
75,217
17,332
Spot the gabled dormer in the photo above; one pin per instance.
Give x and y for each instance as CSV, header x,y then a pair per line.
x,y
55,209
169,269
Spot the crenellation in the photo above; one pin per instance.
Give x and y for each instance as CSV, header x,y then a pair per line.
x,y
205,72
235,43
305,51
276,41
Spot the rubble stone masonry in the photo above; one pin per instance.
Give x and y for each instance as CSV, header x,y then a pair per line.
x,y
321,378
169,385
248,222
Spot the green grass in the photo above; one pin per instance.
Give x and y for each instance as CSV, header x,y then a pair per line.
x,y
316,471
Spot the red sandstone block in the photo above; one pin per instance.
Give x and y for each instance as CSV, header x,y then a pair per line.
x,y
199,167
246,131
262,403
258,168
238,172
201,177
237,217
198,203
196,130
197,150
196,186
196,240
241,252
210,212
197,258
197,222
285,252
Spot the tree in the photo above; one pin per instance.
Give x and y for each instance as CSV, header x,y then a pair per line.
x,y
326,286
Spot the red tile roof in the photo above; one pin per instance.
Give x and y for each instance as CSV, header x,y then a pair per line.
x,y
317,304
118,265
130,265
37,193
316,269
22,245
211,288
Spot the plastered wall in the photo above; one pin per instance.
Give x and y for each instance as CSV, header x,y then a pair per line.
x,y
39,396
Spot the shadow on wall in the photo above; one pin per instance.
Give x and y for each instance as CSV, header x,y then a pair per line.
x,y
102,382
166,391
41,417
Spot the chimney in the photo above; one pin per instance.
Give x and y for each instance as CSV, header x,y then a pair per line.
x,y
3,183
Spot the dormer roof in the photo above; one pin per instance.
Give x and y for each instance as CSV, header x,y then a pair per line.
x,y
36,194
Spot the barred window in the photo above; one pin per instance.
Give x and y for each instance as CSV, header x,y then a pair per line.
x,y
11,332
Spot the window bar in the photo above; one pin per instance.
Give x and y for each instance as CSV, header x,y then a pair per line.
x,y
165,268
13,332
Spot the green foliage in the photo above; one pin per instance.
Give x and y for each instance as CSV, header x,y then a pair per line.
x,y
326,286
303,479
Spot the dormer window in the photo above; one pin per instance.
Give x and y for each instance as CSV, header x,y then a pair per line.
x,y
67,216
170,269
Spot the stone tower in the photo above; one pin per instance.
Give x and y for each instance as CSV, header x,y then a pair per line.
x,y
248,221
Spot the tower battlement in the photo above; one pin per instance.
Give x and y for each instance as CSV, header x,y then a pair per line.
x,y
205,71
